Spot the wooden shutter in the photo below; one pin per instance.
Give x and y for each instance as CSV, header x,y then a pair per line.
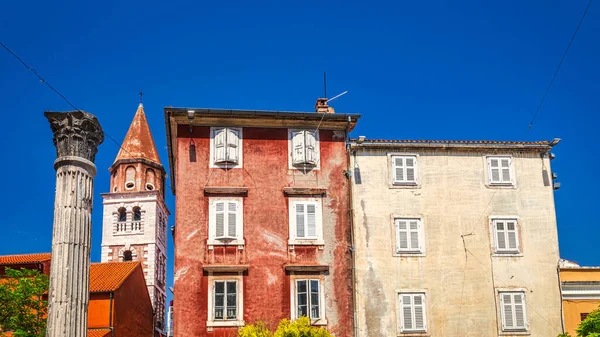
x,y
232,219
298,148
233,141
311,148
410,164
519,301
494,170
500,235
219,219
407,317
419,309
507,311
220,144
399,169
505,164
414,235
300,232
402,235
311,220
511,232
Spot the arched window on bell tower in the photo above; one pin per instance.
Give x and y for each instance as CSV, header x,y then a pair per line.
x,y
121,219
130,178
127,256
150,180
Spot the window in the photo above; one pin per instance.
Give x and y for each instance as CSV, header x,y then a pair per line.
x,y
412,316
122,214
308,299
584,315
225,221
127,256
150,178
226,146
500,170
225,301
137,214
130,178
304,147
512,308
404,169
306,221
506,236
408,236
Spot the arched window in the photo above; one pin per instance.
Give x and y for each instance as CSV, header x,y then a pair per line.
x,y
114,181
150,179
122,214
130,178
127,256
137,214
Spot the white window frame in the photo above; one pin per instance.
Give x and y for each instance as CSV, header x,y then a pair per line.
x,y
291,149
513,328
501,181
212,163
420,232
401,306
517,231
212,222
239,321
322,320
306,240
395,181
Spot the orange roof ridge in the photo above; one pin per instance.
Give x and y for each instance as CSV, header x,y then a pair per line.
x,y
25,258
138,143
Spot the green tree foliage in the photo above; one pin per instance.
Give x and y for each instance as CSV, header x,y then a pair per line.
x,y
22,309
589,327
298,328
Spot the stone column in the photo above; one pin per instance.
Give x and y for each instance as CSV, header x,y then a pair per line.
x,y
77,135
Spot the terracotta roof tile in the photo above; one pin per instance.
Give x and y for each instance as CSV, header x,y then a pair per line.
x,y
138,142
109,276
24,258
98,332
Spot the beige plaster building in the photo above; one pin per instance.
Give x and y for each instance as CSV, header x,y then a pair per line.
x,y
454,238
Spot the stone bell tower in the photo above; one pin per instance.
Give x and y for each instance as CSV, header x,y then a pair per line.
x,y
135,214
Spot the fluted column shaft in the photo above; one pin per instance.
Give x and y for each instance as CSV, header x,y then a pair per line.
x,y
76,137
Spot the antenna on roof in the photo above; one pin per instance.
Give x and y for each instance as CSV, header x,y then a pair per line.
x,y
324,84
141,96
337,96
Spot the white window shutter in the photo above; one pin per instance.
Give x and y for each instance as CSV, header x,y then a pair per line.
x,y
410,168
311,220
511,231
399,169
414,235
220,219
311,148
402,235
220,145
300,232
233,141
500,235
232,219
505,166
407,318
494,170
507,312
520,321
298,148
419,305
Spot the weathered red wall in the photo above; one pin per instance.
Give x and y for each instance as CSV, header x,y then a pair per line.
x,y
266,286
132,307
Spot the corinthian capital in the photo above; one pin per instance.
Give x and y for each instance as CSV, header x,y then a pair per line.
x,y
76,133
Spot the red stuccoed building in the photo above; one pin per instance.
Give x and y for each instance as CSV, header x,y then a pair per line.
x,y
262,227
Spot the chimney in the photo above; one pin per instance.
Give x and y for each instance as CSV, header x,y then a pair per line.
x,y
322,107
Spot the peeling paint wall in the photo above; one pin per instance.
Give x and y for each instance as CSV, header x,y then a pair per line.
x,y
266,284
453,200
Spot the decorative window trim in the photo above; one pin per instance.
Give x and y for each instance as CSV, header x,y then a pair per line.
x,y
494,236
500,312
512,183
420,252
211,322
291,165
318,239
293,297
390,169
399,310
239,164
212,222
130,184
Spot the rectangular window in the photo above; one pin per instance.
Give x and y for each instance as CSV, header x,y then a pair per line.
x,y
305,221
500,170
408,236
225,300
226,146
225,221
584,315
412,316
308,299
512,307
506,236
404,169
304,148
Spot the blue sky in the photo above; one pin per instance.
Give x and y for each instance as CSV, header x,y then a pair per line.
x,y
414,70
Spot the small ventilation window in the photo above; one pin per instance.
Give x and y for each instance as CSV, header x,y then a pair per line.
x,y
150,179
127,256
149,187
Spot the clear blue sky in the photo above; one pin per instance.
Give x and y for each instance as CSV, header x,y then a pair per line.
x,y
414,70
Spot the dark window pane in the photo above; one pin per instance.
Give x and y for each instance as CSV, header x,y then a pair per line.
x,y
219,287
301,286
302,310
219,300
218,313
231,287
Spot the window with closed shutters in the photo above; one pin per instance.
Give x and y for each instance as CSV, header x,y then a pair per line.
x,y
306,220
506,236
404,169
500,170
226,147
305,148
225,221
513,311
412,315
409,236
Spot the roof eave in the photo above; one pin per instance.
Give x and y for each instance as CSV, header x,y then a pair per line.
x,y
448,145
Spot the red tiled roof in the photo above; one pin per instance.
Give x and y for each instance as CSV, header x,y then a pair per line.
x,y
108,276
465,142
138,142
98,332
24,258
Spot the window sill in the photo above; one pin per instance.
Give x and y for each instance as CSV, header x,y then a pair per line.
x,y
308,242
515,333
510,186
507,254
224,165
409,254
321,322
405,185
224,323
213,242
414,334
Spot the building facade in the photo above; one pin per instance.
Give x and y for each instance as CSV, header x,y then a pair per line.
x,y
455,239
580,293
262,229
135,214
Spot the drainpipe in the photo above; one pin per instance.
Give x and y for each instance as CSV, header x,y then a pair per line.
x,y
110,317
351,221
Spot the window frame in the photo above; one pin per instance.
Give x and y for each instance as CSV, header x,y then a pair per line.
x,y
212,222
317,150
494,231
405,182
512,182
420,232
239,321
400,311
292,221
322,320
514,329
212,163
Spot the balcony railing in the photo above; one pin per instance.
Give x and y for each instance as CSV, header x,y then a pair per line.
x,y
124,227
